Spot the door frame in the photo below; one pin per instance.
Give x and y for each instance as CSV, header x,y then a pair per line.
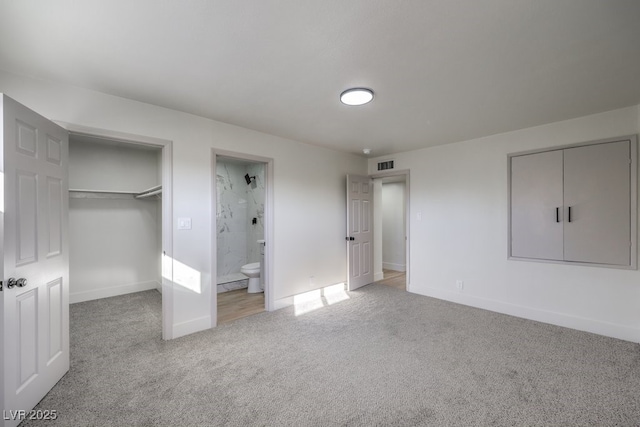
x,y
407,204
167,206
268,227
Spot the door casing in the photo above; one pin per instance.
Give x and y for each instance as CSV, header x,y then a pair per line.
x,y
376,202
167,207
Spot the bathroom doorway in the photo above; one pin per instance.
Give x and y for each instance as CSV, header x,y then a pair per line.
x,y
391,235
241,235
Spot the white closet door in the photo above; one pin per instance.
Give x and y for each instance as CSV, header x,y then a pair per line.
x,y
536,206
34,330
597,188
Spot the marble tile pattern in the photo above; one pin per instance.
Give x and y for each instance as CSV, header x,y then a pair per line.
x,y
237,204
255,209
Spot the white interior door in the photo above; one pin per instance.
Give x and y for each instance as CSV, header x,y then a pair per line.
x,y
34,324
359,231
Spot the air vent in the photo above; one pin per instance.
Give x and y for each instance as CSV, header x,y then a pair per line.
x,y
383,166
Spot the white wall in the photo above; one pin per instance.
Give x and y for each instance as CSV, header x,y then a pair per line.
x,y
393,218
113,240
113,247
461,191
309,189
112,167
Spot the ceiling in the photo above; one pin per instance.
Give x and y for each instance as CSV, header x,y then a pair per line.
x,y
442,70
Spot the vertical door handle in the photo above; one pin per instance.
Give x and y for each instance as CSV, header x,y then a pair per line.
x,y
557,214
569,216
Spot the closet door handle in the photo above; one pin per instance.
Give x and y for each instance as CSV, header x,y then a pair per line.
x,y
569,216
557,214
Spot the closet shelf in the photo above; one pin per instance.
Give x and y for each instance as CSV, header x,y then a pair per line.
x,y
153,191
102,194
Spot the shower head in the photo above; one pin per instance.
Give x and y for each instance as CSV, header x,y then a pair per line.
x,y
249,178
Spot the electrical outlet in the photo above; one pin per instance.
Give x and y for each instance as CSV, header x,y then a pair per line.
x,y
459,285
312,281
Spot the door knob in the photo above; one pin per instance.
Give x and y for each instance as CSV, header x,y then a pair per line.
x,y
21,283
350,238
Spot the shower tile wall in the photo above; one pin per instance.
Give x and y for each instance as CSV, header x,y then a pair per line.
x,y
255,209
237,204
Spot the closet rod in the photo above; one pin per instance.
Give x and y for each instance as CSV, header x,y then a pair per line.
x,y
76,190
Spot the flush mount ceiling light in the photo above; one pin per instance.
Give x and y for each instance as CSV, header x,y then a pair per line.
x,y
356,96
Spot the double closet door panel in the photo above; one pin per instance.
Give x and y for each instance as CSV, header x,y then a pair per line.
x,y
573,204
597,186
536,199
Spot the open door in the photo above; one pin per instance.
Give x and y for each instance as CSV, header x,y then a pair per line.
x,y
359,231
34,259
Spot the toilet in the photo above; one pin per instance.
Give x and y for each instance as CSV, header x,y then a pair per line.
x,y
252,271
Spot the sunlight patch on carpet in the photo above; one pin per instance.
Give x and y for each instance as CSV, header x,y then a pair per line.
x,y
313,300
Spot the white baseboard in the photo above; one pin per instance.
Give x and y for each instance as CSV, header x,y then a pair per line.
x,y
378,276
394,267
191,326
75,297
599,327
282,303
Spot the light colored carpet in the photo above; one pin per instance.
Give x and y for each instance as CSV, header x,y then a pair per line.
x,y
383,357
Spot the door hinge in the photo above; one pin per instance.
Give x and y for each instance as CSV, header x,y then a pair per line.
x,y
0,285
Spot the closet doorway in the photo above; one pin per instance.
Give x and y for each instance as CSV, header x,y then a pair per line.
x,y
391,234
118,218
242,230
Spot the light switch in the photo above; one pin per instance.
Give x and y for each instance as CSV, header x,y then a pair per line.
x,y
184,223
419,216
